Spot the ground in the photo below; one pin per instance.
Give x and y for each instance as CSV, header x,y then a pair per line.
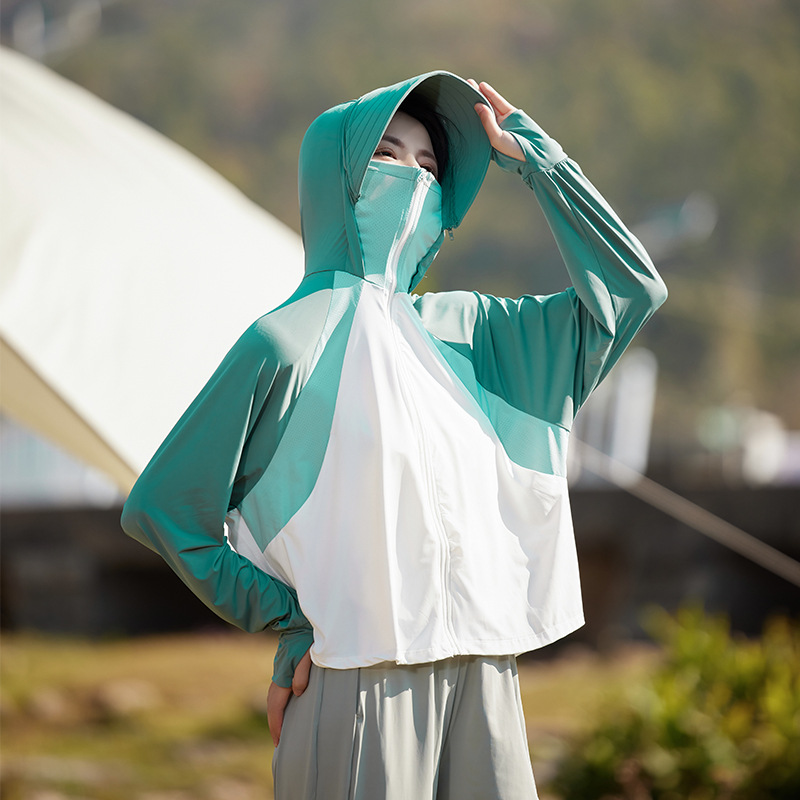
x,y
182,717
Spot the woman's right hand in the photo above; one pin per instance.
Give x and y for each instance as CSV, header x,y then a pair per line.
x,y
278,696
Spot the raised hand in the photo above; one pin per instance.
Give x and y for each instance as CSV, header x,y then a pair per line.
x,y
501,140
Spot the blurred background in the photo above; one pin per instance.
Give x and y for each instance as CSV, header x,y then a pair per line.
x,y
686,115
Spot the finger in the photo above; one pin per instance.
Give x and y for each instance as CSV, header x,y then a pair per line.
x,y
301,675
474,84
277,700
489,121
500,105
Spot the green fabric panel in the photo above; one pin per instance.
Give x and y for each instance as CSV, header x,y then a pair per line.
x,y
291,333
528,441
545,355
325,210
522,350
178,505
218,451
308,286
292,472
616,288
525,350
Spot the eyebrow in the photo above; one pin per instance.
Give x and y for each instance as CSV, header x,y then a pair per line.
x,y
387,137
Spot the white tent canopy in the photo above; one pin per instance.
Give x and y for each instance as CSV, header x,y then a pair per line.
x,y
127,270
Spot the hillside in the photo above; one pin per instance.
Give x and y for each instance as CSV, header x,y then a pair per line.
x,y
659,101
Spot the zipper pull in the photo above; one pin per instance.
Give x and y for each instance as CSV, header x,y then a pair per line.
x,y
450,234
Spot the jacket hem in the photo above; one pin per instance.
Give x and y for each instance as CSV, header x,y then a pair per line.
x,y
475,647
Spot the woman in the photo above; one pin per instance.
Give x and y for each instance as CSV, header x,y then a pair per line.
x,y
381,476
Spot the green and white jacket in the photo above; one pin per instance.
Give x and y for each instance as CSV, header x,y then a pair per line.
x,y
385,472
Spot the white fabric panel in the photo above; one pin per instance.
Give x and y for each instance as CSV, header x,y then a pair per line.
x,y
128,266
429,547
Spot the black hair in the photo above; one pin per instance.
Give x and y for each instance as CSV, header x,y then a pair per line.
x,y
420,109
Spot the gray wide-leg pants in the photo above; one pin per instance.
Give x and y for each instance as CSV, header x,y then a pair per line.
x,y
448,730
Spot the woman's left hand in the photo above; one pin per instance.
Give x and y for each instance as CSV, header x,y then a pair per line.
x,y
491,117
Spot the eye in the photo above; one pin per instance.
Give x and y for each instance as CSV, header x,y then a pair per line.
x,y
432,168
384,152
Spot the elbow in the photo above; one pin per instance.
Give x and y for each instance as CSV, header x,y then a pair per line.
x,y
652,294
132,513
657,292
130,519
640,305
135,520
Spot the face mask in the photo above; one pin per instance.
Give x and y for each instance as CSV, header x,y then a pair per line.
x,y
399,219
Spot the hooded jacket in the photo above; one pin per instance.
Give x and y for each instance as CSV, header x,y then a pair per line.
x,y
383,472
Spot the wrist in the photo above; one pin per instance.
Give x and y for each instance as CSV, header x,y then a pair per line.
x,y
540,151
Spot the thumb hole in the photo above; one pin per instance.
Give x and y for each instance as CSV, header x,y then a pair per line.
x,y
301,675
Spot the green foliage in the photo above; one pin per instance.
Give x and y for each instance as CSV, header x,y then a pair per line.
x,y
655,99
720,720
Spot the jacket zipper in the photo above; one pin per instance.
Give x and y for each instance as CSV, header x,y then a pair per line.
x,y
415,210
433,500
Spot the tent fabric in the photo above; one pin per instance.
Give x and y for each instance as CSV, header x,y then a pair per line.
x,y
128,268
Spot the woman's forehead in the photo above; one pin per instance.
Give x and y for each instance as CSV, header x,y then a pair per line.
x,y
411,132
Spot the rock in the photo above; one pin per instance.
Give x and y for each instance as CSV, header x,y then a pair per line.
x,y
124,698
51,705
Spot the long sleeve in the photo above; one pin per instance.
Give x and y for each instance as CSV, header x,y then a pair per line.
x,y
544,355
178,505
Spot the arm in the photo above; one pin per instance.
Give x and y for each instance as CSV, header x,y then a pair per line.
x,y
571,339
178,506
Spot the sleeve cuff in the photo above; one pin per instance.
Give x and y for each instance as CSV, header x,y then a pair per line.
x,y
292,646
541,151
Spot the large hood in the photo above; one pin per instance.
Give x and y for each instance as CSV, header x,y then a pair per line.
x,y
337,149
